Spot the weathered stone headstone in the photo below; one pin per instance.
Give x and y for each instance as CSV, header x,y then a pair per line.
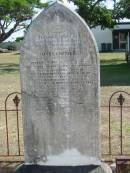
x,y
60,93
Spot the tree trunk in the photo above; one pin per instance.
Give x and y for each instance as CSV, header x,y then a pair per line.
x,y
4,36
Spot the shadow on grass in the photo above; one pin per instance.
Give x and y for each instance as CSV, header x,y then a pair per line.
x,y
112,61
115,74
8,68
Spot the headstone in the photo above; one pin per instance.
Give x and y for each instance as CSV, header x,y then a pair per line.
x,y
60,94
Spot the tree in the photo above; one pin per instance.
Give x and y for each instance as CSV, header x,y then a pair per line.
x,y
16,15
122,10
95,13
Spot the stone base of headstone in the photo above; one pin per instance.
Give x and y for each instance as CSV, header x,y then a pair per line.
x,y
103,168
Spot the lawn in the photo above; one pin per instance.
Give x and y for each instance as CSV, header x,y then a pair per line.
x,y
115,75
114,70
9,75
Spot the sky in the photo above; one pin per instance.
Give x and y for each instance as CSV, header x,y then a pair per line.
x,y
69,5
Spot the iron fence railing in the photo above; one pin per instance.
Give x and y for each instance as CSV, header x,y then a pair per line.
x,y
12,106
115,126
121,101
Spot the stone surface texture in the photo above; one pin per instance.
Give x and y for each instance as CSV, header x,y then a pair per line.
x,y
60,90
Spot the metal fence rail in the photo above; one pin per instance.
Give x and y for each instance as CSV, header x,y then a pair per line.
x,y
11,121
115,126
121,101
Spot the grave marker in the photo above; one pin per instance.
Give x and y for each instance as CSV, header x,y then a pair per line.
x,y
60,93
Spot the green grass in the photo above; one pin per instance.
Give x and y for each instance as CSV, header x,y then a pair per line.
x,y
114,70
9,63
9,75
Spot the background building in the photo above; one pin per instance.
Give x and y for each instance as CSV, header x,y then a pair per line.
x,y
115,39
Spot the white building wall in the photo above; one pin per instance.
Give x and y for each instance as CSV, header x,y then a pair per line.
x,y
124,26
102,36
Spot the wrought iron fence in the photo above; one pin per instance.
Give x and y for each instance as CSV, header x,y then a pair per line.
x,y
115,126
119,123
11,142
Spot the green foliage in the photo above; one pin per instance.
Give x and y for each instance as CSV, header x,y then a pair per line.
x,y
18,39
122,9
15,13
95,13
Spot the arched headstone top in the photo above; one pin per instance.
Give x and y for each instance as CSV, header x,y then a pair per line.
x,y
60,90
59,17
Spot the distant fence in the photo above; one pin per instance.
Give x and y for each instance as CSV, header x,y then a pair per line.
x,y
115,126
11,134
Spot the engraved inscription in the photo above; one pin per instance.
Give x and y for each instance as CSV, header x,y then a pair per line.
x,y
60,66
64,39
57,77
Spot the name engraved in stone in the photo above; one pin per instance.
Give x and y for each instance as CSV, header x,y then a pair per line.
x,y
58,39
54,37
59,53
